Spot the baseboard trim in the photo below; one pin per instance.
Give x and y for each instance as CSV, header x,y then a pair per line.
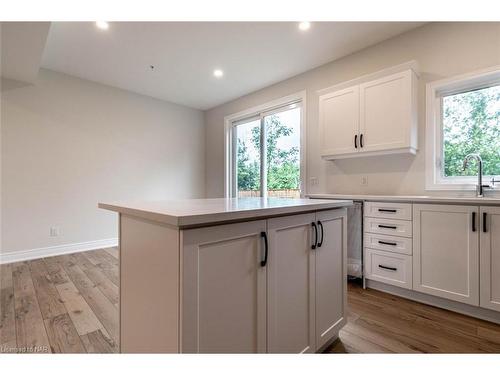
x,y
459,307
43,252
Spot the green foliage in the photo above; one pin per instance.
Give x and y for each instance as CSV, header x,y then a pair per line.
x,y
471,124
283,170
248,172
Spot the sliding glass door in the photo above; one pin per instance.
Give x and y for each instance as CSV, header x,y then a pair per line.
x,y
266,154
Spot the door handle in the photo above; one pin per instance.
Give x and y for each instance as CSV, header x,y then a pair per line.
x,y
474,221
356,141
387,243
266,249
361,140
388,268
387,226
485,227
320,224
313,246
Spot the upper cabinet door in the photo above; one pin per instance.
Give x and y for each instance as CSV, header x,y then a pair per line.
x,y
224,289
446,251
291,285
331,275
490,258
339,122
387,113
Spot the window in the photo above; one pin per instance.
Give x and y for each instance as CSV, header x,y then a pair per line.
x,y
265,158
463,117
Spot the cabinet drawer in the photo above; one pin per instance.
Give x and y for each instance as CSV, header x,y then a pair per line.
x,y
394,244
401,228
401,211
389,268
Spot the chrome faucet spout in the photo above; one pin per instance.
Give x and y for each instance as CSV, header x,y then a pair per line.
x,y
480,186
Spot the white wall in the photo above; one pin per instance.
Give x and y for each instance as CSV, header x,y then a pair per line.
x,y
68,144
442,50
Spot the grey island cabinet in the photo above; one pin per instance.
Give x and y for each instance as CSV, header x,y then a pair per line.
x,y
250,275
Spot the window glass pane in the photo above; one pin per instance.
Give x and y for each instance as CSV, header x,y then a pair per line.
x,y
471,124
283,153
248,159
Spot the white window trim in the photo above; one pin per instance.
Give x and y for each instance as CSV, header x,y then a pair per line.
x,y
433,129
229,133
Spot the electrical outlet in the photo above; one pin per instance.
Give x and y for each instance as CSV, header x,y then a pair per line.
x,y
314,181
54,231
364,180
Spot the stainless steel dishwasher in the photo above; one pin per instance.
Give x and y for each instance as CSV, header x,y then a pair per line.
x,y
355,240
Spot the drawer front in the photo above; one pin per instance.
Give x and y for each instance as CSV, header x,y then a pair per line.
x,y
400,211
394,244
389,268
400,228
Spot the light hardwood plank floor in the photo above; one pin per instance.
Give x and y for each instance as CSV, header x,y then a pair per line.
x,y
69,304
62,304
382,323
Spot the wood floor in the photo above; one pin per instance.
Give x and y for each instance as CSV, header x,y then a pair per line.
x,y
69,304
382,323
63,304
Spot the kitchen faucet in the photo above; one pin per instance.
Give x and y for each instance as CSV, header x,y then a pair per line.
x,y
480,187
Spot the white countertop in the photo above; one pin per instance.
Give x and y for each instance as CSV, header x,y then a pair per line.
x,y
199,212
411,198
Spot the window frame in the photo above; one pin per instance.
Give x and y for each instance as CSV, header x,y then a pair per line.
x,y
435,91
231,121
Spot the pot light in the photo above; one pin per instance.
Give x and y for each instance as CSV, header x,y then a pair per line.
x,y
304,25
218,73
103,25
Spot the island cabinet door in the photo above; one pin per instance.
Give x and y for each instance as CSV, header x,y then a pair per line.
x,y
223,289
331,275
490,258
446,251
291,284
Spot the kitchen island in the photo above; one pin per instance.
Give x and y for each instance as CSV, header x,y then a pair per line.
x,y
249,275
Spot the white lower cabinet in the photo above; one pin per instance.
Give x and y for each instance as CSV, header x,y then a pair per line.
x,y
331,275
490,258
241,296
224,289
291,285
389,268
446,251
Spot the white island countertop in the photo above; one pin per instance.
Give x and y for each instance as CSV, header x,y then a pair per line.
x,y
487,200
201,212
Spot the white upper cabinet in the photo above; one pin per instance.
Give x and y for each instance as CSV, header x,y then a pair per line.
x,y
490,258
339,121
387,113
374,117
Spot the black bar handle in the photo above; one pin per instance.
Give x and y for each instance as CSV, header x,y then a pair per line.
x,y
388,243
361,140
474,221
387,226
320,224
485,227
386,210
313,246
356,141
388,268
266,249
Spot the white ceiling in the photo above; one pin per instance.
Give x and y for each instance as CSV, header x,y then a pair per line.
x,y
22,47
252,55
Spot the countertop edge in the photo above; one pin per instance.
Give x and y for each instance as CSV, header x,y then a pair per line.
x,y
197,220
409,199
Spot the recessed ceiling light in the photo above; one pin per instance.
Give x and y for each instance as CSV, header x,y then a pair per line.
x,y
304,25
103,25
218,73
